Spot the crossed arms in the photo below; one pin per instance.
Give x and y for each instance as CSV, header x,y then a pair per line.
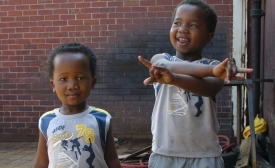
x,y
205,80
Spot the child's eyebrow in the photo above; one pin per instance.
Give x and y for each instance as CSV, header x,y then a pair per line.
x,y
61,75
191,20
177,19
81,73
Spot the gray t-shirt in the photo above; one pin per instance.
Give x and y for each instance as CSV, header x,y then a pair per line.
x,y
184,124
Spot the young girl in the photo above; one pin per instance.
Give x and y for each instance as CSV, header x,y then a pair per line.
x,y
76,134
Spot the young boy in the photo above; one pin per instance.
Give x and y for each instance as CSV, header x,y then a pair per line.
x,y
184,121
75,135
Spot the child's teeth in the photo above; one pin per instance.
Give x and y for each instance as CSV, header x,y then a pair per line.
x,y
182,40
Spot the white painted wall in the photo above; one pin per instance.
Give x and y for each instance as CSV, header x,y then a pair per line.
x,y
239,52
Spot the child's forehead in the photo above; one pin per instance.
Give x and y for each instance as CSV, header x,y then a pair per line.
x,y
67,56
190,11
189,7
70,59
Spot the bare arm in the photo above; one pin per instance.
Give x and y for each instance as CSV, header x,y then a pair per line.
x,y
186,68
226,70
110,155
204,80
41,160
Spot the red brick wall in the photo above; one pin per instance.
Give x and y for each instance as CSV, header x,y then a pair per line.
x,y
117,31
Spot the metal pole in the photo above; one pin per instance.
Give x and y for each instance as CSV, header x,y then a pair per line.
x,y
256,13
252,128
239,114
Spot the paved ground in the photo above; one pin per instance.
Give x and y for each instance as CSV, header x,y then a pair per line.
x,y
22,154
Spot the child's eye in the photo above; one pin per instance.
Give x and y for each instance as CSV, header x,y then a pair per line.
x,y
193,25
80,78
63,79
176,23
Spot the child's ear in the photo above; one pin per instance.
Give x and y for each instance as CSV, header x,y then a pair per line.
x,y
209,37
52,84
93,82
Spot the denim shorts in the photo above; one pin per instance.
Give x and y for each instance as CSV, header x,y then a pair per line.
x,y
161,161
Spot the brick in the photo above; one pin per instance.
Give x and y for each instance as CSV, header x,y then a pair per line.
x,y
147,3
4,36
99,4
31,125
24,119
116,15
139,9
131,3
37,7
11,130
29,1
83,5
155,8
52,29
7,8
22,7
92,10
51,5
123,9
45,23
214,2
67,17
7,19
83,16
60,12
163,2
16,69
15,13
25,131
10,119
30,13
18,125
67,5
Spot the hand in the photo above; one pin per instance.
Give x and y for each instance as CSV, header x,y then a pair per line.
x,y
227,71
157,73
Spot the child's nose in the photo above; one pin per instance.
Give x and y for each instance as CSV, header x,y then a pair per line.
x,y
183,29
72,85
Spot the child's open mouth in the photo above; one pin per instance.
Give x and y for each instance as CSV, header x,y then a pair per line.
x,y
183,40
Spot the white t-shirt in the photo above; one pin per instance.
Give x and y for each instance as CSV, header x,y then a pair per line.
x,y
76,141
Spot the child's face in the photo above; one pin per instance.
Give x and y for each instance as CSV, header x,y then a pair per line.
x,y
189,33
72,80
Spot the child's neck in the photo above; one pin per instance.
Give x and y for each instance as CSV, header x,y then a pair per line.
x,y
188,57
69,110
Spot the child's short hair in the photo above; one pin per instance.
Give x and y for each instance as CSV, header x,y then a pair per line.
x,y
211,16
73,47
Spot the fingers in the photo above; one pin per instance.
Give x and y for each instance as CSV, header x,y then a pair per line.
x,y
228,72
224,62
245,70
147,81
159,74
154,76
231,71
144,62
238,78
153,72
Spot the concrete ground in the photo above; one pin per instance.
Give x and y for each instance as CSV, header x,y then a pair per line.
x,y
22,154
